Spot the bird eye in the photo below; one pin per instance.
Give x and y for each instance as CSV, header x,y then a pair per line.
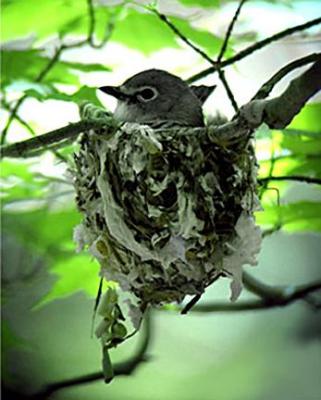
x,y
147,94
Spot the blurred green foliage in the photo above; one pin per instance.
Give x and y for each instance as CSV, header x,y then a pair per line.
x,y
296,150
44,226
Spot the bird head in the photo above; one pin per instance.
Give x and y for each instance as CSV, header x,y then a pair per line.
x,y
155,95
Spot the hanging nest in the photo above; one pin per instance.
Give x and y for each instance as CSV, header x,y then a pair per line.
x,y
166,210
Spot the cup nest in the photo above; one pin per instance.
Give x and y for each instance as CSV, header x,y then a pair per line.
x,y
166,212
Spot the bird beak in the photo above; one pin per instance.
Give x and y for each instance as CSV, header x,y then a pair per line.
x,y
115,91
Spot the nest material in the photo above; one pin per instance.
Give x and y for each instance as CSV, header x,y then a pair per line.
x,y
166,211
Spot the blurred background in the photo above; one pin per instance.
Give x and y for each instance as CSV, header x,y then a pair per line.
x,y
48,290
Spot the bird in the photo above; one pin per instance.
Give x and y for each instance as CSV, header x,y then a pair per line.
x,y
157,96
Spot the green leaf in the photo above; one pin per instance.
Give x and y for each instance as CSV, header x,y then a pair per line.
x,y
143,31
47,232
202,3
282,165
8,338
201,38
78,273
19,183
26,65
88,67
308,119
45,92
42,18
301,216
301,142
9,341
309,166
159,35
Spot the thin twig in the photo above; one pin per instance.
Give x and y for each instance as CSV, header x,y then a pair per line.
x,y
261,289
216,64
191,304
266,89
25,124
183,37
271,169
297,178
38,79
229,31
221,73
228,90
269,232
11,118
33,133
254,47
91,28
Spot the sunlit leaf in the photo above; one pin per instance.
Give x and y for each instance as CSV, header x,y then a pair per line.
x,y
309,165
46,92
203,39
88,67
301,142
308,119
301,216
42,18
201,3
50,233
78,273
144,32
46,231
282,165
26,65
159,34
19,183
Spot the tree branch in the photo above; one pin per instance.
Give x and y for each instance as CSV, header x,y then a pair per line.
x,y
266,89
123,368
42,142
271,297
297,178
228,90
280,111
254,47
276,113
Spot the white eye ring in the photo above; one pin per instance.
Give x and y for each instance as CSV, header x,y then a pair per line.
x,y
147,93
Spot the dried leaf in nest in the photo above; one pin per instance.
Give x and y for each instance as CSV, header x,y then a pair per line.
x,y
166,211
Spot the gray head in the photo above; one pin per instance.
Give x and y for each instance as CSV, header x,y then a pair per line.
x,y
156,95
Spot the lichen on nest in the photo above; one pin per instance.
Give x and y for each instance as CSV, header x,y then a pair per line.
x,y
166,211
